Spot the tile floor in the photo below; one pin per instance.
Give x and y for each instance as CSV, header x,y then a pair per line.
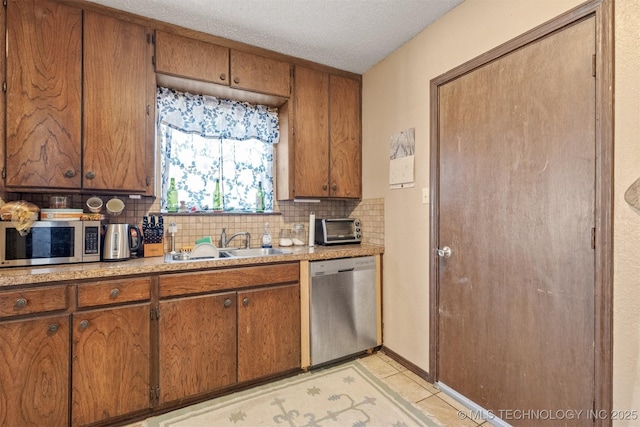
x,y
442,409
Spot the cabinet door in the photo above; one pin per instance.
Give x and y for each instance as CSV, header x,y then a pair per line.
x,y
44,54
110,363
344,138
34,372
311,107
197,345
184,57
260,74
268,331
116,65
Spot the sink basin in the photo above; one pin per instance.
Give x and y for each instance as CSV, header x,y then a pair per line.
x,y
186,256
255,252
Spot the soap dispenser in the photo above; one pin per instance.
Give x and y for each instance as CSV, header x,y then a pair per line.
x,y
266,236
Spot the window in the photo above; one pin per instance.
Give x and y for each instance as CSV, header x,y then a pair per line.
x,y
204,138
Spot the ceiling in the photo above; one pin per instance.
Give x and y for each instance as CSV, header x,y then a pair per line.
x,y
351,35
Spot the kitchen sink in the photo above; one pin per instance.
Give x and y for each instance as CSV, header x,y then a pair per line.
x,y
186,256
255,252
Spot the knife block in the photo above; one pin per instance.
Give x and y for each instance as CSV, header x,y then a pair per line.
x,y
153,249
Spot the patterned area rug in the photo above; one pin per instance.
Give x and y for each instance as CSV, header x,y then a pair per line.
x,y
344,395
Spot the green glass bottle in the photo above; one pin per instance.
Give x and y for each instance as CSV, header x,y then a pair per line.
x,y
260,199
217,197
172,197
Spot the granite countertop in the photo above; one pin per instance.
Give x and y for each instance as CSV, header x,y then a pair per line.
x,y
15,276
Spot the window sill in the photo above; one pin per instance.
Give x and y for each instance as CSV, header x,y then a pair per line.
x,y
214,213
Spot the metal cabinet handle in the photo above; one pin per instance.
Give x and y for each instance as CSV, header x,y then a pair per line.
x,y
21,303
334,187
70,173
223,76
90,175
53,328
324,187
114,293
245,302
236,80
84,325
227,302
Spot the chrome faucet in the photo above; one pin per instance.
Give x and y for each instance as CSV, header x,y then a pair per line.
x,y
224,241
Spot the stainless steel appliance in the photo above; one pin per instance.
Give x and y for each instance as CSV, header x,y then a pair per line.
x,y
343,308
50,242
119,241
337,231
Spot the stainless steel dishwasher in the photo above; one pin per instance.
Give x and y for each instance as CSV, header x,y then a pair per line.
x,y
343,318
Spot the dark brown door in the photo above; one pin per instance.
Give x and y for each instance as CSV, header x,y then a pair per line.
x,y
517,199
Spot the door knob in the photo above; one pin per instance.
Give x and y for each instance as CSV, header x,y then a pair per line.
x,y
444,252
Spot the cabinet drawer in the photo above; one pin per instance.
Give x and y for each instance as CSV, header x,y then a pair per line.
x,y
114,292
233,278
27,301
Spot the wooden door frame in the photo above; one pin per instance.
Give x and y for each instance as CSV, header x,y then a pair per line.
x,y
602,10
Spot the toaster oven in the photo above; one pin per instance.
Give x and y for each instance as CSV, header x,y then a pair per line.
x,y
338,231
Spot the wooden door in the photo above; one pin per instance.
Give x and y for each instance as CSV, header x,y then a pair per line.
x,y
268,331
34,372
344,138
44,92
516,207
110,363
116,79
197,345
311,121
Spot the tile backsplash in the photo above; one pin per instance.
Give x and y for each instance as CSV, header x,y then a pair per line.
x,y
194,226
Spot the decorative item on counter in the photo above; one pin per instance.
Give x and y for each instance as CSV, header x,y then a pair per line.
x,y
21,214
298,235
285,238
217,197
266,236
94,204
172,197
259,198
312,229
115,206
183,207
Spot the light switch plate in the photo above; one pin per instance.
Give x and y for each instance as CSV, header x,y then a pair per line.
x,y
425,196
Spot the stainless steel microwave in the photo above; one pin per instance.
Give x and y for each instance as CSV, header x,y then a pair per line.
x,y
50,242
338,231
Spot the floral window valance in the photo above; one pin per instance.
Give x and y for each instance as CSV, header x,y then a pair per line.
x,y
212,117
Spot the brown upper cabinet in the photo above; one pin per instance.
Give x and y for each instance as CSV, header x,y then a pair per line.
x,y
327,141
78,116
44,95
189,58
118,147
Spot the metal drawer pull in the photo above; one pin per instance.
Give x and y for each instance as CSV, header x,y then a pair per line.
x,y
84,325
21,303
245,302
223,76
236,80
70,173
53,327
114,293
227,302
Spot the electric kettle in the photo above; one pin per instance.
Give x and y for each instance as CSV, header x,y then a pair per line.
x,y
118,241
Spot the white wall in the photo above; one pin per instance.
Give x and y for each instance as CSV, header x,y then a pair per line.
x,y
396,97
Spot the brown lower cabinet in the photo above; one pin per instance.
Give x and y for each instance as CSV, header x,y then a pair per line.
x,y
111,363
98,352
34,372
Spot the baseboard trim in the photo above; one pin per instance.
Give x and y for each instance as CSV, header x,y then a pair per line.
x,y
404,362
475,412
